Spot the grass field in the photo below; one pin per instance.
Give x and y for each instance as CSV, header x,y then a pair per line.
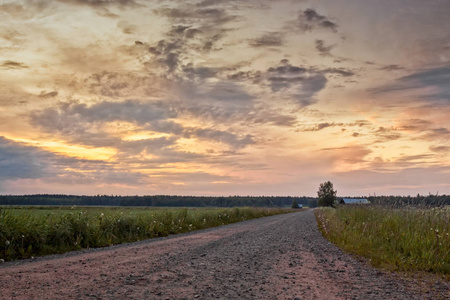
x,y
405,239
34,231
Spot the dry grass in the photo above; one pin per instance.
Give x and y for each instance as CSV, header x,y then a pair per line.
x,y
405,239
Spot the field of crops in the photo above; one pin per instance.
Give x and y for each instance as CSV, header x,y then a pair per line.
x,y
32,231
404,239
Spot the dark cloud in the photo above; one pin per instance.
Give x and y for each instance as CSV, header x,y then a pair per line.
x,y
310,19
121,84
221,136
100,3
167,54
67,115
184,31
440,149
437,78
44,94
271,39
339,71
252,76
323,50
320,126
206,3
276,119
384,134
302,83
200,72
392,68
193,15
21,161
226,93
154,146
81,123
9,64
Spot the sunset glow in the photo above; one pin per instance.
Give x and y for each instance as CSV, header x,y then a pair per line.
x,y
224,97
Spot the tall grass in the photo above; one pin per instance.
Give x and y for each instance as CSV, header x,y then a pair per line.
x,y
406,239
32,231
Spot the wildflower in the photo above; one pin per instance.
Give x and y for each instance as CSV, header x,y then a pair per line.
x,y
7,243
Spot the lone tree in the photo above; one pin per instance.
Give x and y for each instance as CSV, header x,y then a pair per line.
x,y
326,194
294,204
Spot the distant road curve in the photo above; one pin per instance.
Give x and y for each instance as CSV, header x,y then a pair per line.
x,y
278,257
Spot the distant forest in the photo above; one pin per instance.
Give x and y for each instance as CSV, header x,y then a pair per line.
x,y
198,201
157,201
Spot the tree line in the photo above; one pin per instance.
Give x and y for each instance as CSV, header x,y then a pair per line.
x,y
213,201
156,200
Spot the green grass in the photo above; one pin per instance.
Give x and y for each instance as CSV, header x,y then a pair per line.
x,y
35,231
406,239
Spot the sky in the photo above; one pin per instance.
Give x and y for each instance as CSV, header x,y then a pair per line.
x,y
225,97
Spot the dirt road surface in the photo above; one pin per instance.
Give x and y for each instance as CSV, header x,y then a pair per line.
x,y
279,257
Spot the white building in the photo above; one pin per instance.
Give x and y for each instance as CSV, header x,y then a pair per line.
x,y
353,201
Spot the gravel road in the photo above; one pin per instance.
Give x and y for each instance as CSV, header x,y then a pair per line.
x,y
279,257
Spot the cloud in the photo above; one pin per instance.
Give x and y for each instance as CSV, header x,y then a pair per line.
x,y
339,71
21,161
310,19
133,111
100,3
203,17
436,78
85,124
44,94
121,84
440,149
126,27
12,65
392,68
301,83
384,134
226,93
271,39
323,125
221,136
323,50
406,181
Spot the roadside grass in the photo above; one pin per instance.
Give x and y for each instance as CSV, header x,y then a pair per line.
x,y
398,239
34,231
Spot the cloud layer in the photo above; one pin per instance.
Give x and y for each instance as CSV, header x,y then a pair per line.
x,y
224,97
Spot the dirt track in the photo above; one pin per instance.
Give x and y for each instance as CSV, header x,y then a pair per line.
x,y
279,257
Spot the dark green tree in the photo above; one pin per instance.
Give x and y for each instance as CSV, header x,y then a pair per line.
x,y
326,193
294,204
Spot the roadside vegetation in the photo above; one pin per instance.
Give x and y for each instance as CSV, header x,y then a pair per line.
x,y
400,239
26,232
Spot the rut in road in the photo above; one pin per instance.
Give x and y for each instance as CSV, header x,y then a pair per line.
x,y
278,257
